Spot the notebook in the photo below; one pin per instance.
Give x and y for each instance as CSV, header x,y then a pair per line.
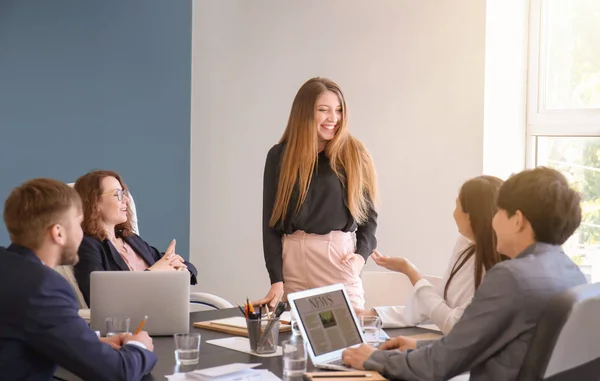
x,y
234,326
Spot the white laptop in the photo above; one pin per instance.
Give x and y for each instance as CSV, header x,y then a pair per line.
x,y
162,296
328,324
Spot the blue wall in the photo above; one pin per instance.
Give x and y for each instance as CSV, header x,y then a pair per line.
x,y
100,85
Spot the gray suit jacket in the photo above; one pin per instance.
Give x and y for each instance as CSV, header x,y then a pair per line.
x,y
491,338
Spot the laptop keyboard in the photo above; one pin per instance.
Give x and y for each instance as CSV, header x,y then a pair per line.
x,y
339,362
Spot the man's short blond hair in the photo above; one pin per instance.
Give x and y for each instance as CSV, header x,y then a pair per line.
x,y
35,206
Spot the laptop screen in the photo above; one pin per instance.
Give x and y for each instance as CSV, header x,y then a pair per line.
x,y
328,322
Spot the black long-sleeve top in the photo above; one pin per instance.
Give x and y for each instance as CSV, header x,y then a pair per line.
x,y
324,210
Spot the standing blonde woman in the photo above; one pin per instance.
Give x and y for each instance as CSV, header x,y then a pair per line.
x,y
319,192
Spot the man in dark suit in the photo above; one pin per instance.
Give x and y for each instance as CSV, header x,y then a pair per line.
x,y
39,324
537,213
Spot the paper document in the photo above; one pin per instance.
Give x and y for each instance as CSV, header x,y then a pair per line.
x,y
241,344
231,372
286,316
383,336
432,327
237,321
225,369
242,375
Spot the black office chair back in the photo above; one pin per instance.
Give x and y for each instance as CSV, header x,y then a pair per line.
x,y
566,342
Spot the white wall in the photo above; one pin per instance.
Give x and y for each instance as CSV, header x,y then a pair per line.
x,y
412,72
504,137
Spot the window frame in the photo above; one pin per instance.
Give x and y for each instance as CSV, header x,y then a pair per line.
x,y
540,122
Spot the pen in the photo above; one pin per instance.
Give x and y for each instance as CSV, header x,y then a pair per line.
x,y
277,313
139,328
277,302
340,375
241,309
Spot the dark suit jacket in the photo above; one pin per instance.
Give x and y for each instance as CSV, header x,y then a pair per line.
x,y
40,328
95,255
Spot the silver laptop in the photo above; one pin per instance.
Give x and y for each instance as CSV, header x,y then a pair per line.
x,y
162,296
328,324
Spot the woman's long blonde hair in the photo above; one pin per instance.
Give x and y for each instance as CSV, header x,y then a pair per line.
x,y
349,159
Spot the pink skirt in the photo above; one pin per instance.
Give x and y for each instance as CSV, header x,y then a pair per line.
x,y
314,260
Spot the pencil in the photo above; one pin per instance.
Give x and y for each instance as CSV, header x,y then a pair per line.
x,y
340,374
139,328
277,302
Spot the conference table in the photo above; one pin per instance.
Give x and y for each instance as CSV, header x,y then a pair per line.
x,y
212,355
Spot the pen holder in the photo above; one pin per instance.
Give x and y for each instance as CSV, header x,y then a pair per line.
x,y
263,335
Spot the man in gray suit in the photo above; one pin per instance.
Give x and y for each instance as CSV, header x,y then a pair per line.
x,y
538,212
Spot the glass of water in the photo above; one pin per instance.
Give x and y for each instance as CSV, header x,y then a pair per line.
x,y
187,348
371,326
116,326
294,357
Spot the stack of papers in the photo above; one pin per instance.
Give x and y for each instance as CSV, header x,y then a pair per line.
x,y
231,372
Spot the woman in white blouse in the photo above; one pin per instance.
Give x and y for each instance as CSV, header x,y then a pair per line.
x,y
474,253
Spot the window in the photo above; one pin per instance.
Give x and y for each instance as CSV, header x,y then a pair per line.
x,y
563,110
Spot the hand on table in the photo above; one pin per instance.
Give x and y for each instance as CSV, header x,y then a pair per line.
x,y
356,357
272,296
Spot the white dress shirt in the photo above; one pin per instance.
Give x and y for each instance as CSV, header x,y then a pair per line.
x,y
427,302
136,343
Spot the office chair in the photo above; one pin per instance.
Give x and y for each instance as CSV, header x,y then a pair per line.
x,y
200,301
206,301
389,288
566,342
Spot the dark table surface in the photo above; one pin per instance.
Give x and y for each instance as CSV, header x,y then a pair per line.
x,y
212,355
